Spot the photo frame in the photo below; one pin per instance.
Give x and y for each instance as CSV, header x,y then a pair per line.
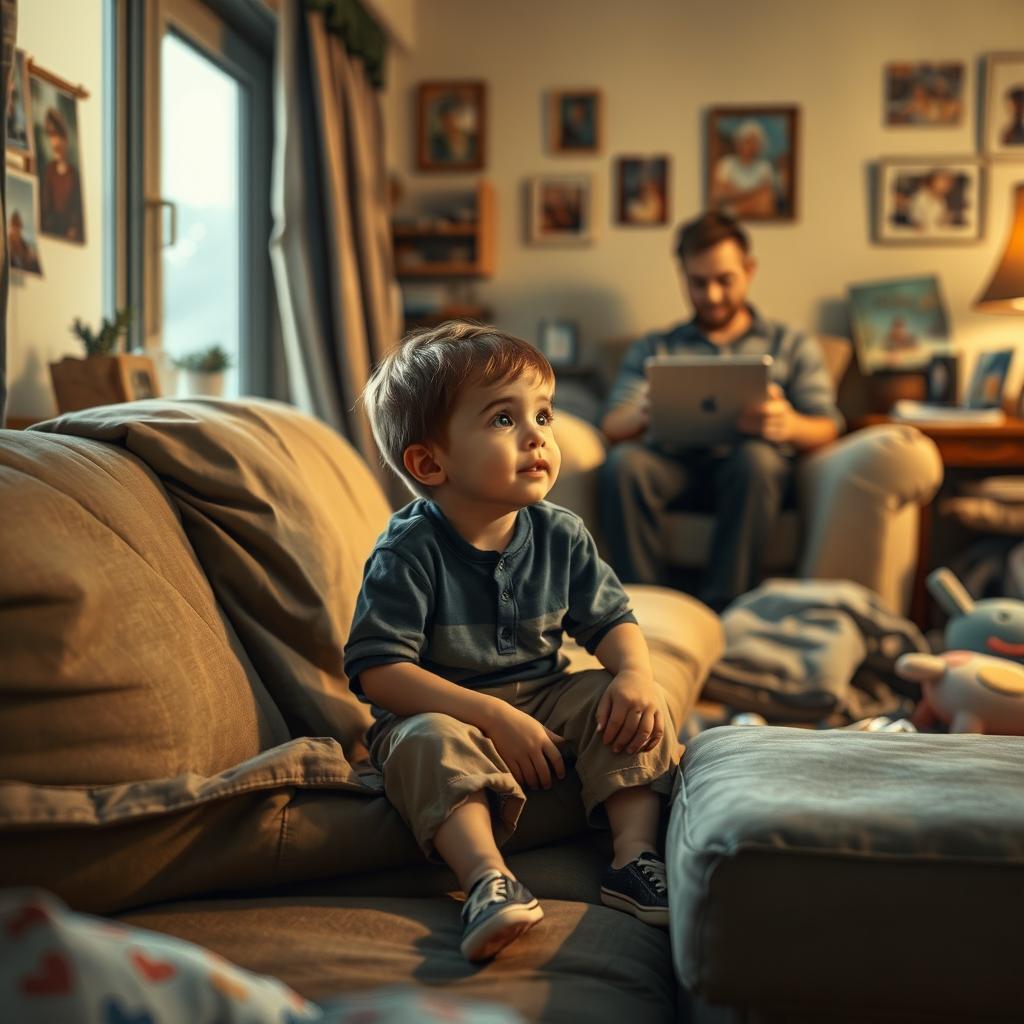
x,y
20,139
642,192
561,209
559,341
899,324
574,121
929,200
928,95
23,222
451,126
58,159
752,158
943,380
988,381
1002,122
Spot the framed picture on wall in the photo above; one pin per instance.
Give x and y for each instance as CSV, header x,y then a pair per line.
x,y
20,137
451,126
642,193
561,209
929,200
1002,127
574,121
23,222
929,95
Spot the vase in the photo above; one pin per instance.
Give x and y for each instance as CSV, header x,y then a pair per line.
x,y
204,384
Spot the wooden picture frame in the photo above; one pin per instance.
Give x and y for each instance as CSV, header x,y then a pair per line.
x,y
929,200
561,209
752,155
642,190
451,126
1001,128
103,380
924,94
575,121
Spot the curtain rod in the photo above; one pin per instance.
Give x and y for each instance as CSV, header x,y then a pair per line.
x,y
61,83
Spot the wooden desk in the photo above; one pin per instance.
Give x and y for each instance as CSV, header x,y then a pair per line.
x,y
962,446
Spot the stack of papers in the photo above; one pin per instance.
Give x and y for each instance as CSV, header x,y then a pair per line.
x,y
927,412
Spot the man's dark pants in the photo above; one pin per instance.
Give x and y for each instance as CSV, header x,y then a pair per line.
x,y
744,488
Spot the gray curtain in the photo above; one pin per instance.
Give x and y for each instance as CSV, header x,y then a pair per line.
x,y
331,243
9,16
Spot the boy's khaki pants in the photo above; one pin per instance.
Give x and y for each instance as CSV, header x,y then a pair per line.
x,y
432,762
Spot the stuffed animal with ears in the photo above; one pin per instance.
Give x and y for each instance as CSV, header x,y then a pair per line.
x,y
978,684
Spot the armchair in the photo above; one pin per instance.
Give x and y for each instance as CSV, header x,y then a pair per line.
x,y
858,501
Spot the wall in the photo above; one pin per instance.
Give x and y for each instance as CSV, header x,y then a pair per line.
x,y
660,64
65,37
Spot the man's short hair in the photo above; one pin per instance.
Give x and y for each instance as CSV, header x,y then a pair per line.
x,y
412,392
701,233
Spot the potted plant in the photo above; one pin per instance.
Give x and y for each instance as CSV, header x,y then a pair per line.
x,y
105,375
204,369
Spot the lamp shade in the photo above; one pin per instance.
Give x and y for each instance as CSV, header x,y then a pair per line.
x,y
1005,292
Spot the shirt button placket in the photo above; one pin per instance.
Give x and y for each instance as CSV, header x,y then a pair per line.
x,y
506,632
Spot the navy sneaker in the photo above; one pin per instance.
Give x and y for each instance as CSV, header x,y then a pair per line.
x,y
640,889
498,909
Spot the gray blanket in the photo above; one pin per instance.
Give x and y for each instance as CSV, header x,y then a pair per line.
x,y
812,651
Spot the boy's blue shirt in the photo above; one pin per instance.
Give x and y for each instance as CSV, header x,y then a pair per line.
x,y
481,618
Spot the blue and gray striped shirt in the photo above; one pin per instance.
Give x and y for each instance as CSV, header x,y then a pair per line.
x,y
481,618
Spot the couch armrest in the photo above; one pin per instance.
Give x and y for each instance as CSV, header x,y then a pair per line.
x,y
859,500
583,452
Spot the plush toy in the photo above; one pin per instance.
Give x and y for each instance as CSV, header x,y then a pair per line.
x,y
972,692
993,626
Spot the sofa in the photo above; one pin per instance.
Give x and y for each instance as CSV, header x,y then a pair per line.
x,y
178,746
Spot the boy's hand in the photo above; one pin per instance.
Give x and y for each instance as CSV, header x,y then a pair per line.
x,y
629,714
526,746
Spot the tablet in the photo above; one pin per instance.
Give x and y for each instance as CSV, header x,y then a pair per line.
x,y
696,401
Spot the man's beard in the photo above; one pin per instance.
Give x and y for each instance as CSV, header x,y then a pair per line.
x,y
717,317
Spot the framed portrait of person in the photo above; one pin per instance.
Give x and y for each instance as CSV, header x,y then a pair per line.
x,y
988,381
752,160
23,222
451,126
20,141
58,160
943,385
923,94
561,209
929,200
642,191
1002,126
574,121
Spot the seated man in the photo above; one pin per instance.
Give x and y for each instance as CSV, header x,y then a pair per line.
x,y
745,484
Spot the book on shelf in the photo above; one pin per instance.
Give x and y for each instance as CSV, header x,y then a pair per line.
x,y
930,412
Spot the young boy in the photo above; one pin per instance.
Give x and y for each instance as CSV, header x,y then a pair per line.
x,y
456,634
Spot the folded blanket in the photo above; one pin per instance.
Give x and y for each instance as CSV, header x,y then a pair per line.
x,y
812,650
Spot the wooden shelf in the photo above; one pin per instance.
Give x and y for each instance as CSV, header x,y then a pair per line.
x,y
461,230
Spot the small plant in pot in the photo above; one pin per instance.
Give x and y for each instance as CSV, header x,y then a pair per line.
x,y
204,369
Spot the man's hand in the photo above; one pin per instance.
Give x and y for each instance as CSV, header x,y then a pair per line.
x,y
630,419
629,713
774,419
526,746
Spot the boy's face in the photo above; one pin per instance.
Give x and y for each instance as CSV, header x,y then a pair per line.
x,y
501,449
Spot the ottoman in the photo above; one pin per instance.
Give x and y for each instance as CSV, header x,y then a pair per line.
x,y
829,875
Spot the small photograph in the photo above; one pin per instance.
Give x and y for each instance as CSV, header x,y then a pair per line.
x,y
898,324
943,379
451,126
18,117
924,94
574,121
561,210
752,161
1002,128
559,341
642,190
929,200
989,379
23,223
58,160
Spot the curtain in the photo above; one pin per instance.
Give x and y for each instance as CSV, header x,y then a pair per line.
x,y
331,242
9,19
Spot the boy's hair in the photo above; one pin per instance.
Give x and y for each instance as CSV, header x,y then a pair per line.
x,y
412,392
709,229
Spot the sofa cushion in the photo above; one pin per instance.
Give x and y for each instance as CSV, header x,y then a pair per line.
x,y
580,962
282,514
117,662
888,867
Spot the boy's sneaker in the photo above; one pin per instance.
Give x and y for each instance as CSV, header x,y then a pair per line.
x,y
498,909
639,888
